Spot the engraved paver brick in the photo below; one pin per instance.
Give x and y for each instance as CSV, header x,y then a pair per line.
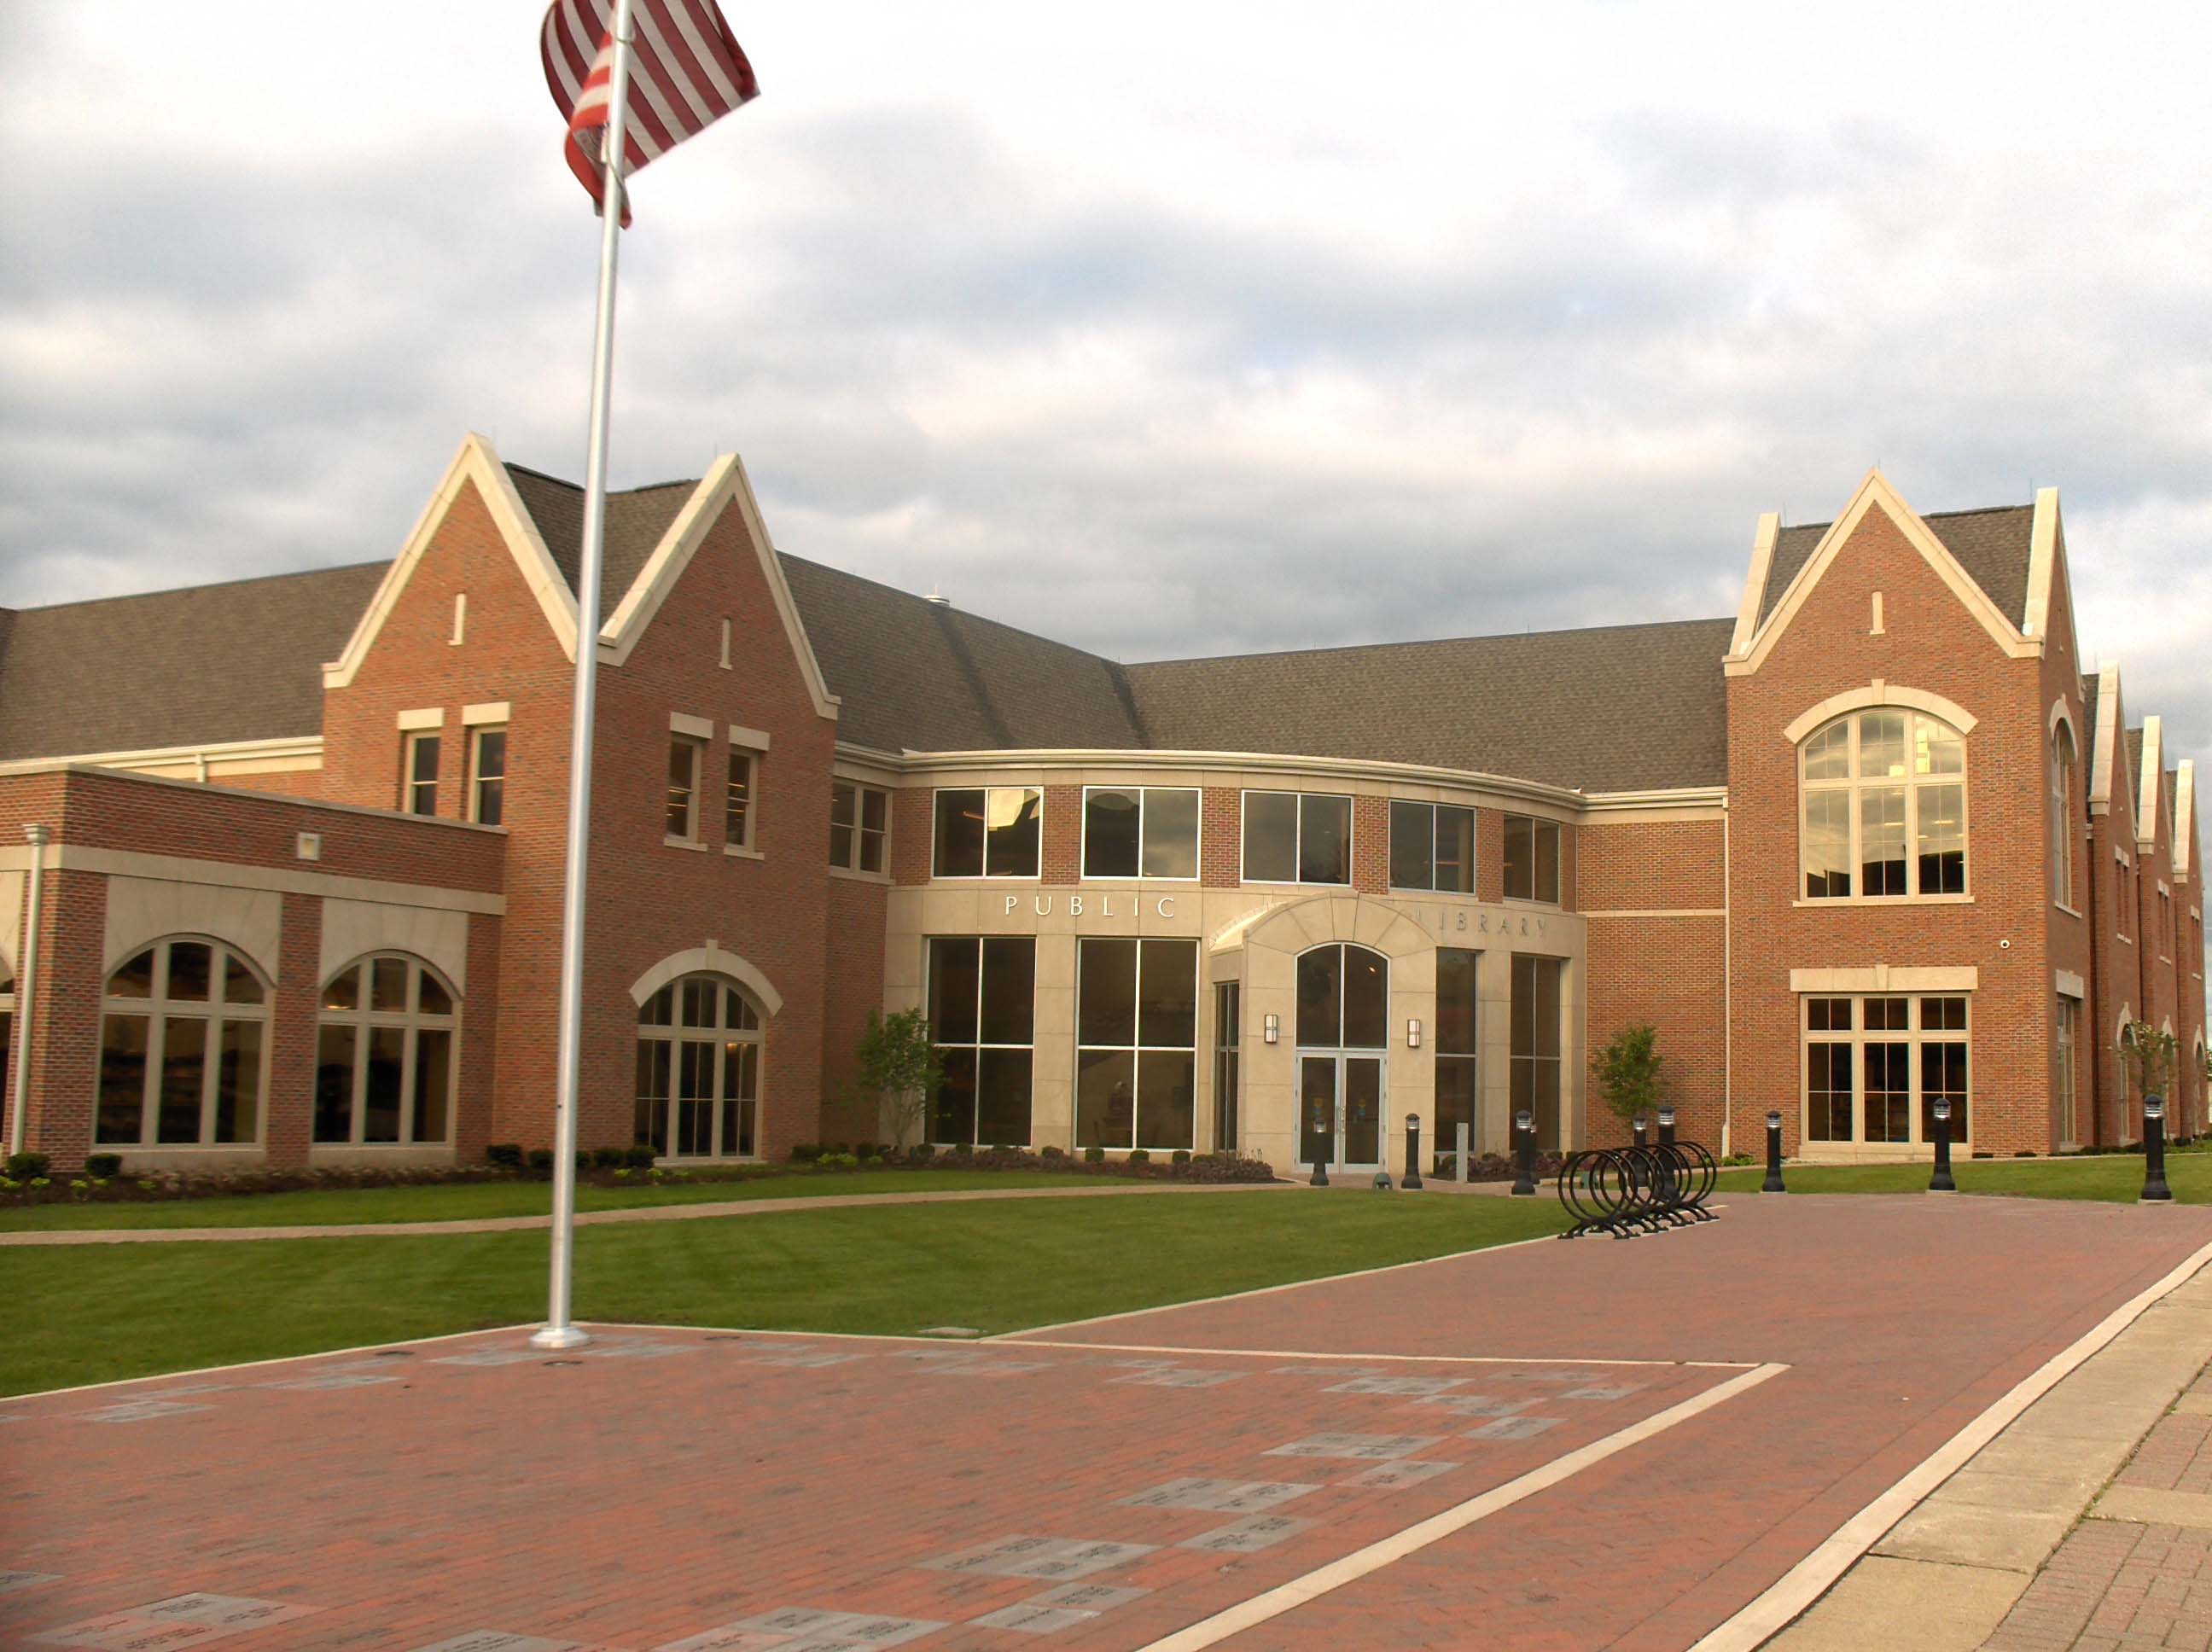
x,y
1360,1447
1247,1536
1239,1496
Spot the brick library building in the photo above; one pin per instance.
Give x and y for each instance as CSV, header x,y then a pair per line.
x,y
284,881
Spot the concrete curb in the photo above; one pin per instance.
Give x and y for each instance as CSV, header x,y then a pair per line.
x,y
1946,1574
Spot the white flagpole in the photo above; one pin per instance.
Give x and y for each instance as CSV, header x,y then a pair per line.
x,y
559,1332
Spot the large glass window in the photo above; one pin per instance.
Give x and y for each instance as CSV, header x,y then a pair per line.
x,y
1534,1031
1343,998
982,1015
1136,1034
1296,837
183,1048
739,797
7,1037
1458,1067
1883,811
418,783
1148,831
1431,846
1531,859
988,832
2062,835
1875,1066
1228,1063
698,1071
860,825
488,778
386,1054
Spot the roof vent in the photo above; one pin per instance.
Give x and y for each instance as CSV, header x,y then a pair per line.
x,y
938,597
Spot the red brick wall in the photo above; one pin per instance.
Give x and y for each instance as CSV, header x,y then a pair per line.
x,y
1931,642
2116,991
1370,845
852,972
1061,855
913,826
1221,836
1667,972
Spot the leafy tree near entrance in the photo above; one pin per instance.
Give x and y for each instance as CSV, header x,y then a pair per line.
x,y
1631,1073
900,1065
2149,1054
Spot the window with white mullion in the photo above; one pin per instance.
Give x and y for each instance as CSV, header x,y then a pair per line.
x,y
183,1048
1883,808
387,1049
1141,831
1875,1065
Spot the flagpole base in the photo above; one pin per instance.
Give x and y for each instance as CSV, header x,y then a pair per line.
x,y
558,1337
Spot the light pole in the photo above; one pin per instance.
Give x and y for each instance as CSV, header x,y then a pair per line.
x,y
1640,1135
1666,1126
1412,1180
1524,1155
1773,1183
1940,1183
2156,1192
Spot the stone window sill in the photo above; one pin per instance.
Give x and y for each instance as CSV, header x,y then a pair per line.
x,y
683,842
742,852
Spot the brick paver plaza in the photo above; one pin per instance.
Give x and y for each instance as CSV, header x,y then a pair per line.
x,y
1565,1445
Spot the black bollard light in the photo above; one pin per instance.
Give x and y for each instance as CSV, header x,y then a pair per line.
x,y
1412,1180
1640,1140
2156,1192
1773,1183
1524,1154
1940,1183
1666,1126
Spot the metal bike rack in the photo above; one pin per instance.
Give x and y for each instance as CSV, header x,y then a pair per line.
x,y
1626,1191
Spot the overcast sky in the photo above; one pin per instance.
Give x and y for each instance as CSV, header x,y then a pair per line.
x,y
1164,330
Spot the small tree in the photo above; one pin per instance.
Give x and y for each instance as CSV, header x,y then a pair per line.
x,y
900,1065
1629,1073
2149,1054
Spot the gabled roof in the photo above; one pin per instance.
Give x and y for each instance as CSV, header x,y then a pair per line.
x,y
1992,544
203,665
637,518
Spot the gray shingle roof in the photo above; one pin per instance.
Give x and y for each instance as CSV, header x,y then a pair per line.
x,y
1991,546
210,663
637,519
1610,708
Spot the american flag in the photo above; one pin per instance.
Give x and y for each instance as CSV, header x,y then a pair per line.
x,y
687,71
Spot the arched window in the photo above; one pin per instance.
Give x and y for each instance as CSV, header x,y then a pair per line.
x,y
1883,807
698,1059
386,1055
2062,815
7,1037
183,1048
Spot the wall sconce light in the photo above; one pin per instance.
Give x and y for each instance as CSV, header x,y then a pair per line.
x,y
1272,1029
1414,1033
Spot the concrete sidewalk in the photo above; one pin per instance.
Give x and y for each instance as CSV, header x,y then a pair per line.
x,y
2066,1530
675,1213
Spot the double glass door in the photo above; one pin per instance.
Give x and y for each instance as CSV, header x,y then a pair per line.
x,y
1341,1109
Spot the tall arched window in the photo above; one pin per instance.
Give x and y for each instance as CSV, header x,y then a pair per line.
x,y
1883,807
183,1048
698,1070
386,1055
7,1037
2062,815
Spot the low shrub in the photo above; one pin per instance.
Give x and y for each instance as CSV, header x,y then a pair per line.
x,y
843,1149
805,1152
103,1164
639,1157
921,1153
1050,1151
29,1167
609,1158
506,1153
541,1159
1180,1156
1094,1155
1139,1156
839,1162
963,1149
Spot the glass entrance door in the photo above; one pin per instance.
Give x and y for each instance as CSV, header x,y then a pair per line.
x,y
1340,1110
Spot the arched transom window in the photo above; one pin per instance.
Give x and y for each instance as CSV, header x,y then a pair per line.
x,y
386,1055
698,1070
183,1048
1883,797
2062,815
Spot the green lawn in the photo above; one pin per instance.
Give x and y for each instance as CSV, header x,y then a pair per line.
x,y
87,1314
2117,1177
454,1202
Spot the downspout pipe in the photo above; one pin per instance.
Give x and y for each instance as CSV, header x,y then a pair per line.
x,y
19,1075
